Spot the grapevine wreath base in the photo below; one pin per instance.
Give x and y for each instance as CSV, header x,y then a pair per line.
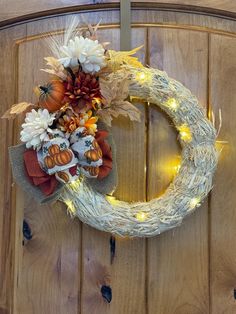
x,y
68,153
191,185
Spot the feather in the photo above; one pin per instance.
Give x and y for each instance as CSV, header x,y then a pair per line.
x,y
55,42
71,30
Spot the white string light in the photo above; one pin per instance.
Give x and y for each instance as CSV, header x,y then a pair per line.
x,y
141,216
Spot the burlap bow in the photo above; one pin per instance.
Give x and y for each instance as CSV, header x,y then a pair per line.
x,y
104,185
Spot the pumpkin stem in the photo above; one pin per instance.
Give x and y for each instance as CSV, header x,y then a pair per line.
x,y
44,89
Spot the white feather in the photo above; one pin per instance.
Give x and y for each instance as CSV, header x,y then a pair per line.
x,y
55,42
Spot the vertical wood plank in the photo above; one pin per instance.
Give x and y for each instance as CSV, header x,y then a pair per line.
x,y
126,275
223,198
177,260
49,276
8,214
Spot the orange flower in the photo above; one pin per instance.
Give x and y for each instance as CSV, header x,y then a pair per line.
x,y
68,124
90,122
70,121
73,124
97,103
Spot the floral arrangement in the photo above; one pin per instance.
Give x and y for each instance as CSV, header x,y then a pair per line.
x,y
60,131
68,154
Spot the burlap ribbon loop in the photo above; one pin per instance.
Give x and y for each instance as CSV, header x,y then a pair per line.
x,y
105,186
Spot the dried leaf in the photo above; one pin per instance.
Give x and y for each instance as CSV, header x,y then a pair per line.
x,y
18,109
115,90
115,59
93,30
56,68
105,116
124,108
115,87
37,91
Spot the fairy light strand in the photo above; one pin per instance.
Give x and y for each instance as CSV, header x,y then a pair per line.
x,y
185,133
141,216
172,103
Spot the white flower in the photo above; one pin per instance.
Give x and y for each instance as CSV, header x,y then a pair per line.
x,y
36,128
84,51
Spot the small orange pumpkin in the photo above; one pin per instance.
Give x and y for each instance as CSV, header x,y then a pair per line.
x,y
63,157
93,171
49,162
99,151
92,155
64,176
51,95
53,149
97,148
95,144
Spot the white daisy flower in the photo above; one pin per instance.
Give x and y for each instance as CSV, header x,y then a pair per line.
x,y
36,128
84,51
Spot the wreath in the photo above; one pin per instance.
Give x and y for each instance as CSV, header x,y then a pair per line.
x,y
68,153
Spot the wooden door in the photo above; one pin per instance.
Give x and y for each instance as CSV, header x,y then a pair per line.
x,y
61,269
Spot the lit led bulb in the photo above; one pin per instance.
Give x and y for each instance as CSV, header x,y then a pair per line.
x,y
70,206
75,184
141,76
195,202
176,168
111,199
185,133
141,216
172,103
219,145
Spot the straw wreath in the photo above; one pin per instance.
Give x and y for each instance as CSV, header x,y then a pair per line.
x,y
190,186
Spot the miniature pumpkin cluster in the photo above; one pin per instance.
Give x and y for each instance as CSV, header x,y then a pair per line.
x,y
57,157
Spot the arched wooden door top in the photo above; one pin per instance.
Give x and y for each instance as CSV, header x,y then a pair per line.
x,y
20,12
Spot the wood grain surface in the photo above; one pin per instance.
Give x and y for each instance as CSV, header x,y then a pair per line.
x,y
223,199
178,259
8,215
62,269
